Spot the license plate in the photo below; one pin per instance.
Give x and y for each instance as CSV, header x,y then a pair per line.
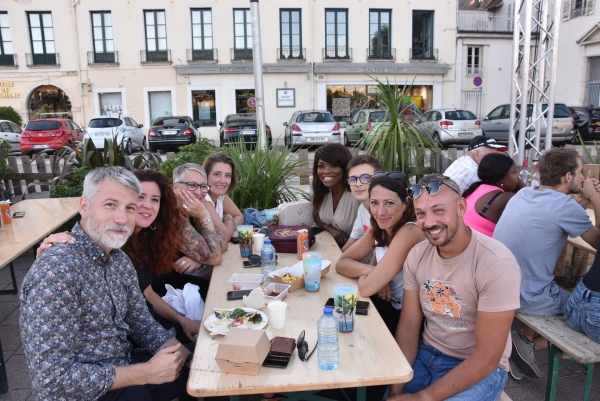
x,y
170,132
102,135
317,139
40,146
463,134
248,132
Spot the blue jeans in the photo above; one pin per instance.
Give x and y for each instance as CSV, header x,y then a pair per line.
x,y
431,365
582,311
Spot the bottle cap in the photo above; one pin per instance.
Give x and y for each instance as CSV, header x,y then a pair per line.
x,y
524,162
267,241
328,311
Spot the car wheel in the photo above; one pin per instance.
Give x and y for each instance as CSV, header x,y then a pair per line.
x,y
346,141
129,147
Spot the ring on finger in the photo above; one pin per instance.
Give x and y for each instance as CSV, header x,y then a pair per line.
x,y
185,206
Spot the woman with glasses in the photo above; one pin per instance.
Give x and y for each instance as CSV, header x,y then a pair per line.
x,y
392,234
487,198
334,206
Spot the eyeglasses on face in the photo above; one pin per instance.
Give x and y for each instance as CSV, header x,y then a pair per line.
x,y
192,186
303,348
364,179
414,191
396,175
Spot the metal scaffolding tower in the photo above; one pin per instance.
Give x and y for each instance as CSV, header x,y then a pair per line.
x,y
535,57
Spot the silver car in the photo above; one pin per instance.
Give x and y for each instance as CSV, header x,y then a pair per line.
x,y
124,128
311,127
449,126
12,133
497,123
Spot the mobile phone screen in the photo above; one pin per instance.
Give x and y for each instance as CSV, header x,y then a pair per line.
x,y
233,295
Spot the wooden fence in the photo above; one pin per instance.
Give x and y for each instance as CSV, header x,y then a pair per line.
x,y
15,186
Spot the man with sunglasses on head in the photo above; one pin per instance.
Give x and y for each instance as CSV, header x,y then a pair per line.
x,y
535,225
464,287
463,170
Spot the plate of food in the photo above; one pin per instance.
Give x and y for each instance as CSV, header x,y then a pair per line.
x,y
225,318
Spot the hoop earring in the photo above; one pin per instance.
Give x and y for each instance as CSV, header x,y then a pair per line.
x,y
153,228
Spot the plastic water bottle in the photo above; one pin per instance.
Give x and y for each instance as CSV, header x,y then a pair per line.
x,y
267,259
535,177
328,349
524,174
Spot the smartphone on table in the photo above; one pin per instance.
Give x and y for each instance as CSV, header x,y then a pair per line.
x,y
233,295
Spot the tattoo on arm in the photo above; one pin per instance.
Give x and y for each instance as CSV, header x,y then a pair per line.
x,y
193,244
212,239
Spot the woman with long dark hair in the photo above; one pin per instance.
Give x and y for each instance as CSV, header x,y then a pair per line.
x,y
392,235
334,206
487,198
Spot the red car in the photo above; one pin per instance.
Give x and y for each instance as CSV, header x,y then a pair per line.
x,y
49,133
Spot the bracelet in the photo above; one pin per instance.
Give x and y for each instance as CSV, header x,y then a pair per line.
x,y
228,218
207,220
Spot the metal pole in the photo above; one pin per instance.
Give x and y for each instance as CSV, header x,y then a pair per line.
x,y
525,81
514,89
552,83
258,74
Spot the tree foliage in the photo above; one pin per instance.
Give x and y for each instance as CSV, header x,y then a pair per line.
x,y
8,113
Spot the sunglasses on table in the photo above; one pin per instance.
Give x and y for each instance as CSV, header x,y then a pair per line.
x,y
303,348
192,186
433,188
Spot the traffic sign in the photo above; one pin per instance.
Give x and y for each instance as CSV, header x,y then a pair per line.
x,y
477,81
251,102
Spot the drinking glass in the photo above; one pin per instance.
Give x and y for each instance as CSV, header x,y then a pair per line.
x,y
344,297
311,262
245,237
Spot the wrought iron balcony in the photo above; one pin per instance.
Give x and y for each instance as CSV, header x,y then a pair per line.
x,y
474,71
423,53
158,56
103,58
381,53
341,53
202,55
579,12
484,22
8,60
241,54
35,59
291,53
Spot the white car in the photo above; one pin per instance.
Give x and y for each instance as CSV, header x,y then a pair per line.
x,y
449,126
12,133
124,128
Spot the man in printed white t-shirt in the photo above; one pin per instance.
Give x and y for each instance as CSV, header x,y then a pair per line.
x,y
360,169
465,287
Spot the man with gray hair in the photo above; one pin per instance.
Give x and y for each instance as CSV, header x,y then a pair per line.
x,y
81,301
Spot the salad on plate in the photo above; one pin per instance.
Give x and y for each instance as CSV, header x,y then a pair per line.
x,y
244,318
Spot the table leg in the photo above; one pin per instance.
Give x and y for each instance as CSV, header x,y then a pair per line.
x,y
553,366
14,282
3,379
588,381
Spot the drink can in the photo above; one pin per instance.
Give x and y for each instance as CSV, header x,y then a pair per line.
x,y
6,215
301,242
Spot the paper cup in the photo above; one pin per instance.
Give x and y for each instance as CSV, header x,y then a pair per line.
x,y
311,263
258,240
344,296
277,311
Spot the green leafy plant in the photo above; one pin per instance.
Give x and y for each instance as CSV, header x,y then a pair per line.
x,y
194,153
8,113
5,148
263,177
400,145
589,158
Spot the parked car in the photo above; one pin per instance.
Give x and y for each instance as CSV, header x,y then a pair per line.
x,y
123,129
311,127
410,112
587,123
12,133
496,123
449,126
364,122
172,132
241,127
49,133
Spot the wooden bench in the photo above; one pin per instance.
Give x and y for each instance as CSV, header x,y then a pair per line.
x,y
576,346
504,397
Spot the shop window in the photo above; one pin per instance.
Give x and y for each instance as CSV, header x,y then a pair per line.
x,y
241,101
49,102
203,108
160,104
111,104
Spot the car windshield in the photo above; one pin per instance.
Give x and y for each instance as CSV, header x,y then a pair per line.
x,y
170,121
460,115
42,125
104,122
315,117
236,121
380,116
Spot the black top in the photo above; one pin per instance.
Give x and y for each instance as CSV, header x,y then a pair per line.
x,y
592,278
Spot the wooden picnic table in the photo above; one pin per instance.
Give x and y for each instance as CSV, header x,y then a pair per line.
x,y
368,356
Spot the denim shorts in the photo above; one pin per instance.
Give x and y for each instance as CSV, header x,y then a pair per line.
x,y
431,365
582,311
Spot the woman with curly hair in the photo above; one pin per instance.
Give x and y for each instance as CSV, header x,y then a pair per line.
x,y
153,248
334,206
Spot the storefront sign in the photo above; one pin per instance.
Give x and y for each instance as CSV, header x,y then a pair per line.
x,y
286,97
5,87
241,69
370,68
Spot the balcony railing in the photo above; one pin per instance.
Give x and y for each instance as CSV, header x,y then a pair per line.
x,y
423,53
579,12
34,59
103,58
381,53
8,60
341,53
291,53
158,56
474,71
241,54
202,55
485,23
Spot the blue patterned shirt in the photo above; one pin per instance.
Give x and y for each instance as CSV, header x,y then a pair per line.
x,y
78,305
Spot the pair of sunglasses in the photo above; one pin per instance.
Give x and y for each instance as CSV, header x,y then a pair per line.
x,y
364,179
433,188
396,175
303,348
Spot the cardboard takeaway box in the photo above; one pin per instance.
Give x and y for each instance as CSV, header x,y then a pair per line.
x,y
243,351
297,270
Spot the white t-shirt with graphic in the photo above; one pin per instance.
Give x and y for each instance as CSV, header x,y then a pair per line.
x,y
362,223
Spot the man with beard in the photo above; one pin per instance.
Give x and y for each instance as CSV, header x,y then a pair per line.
x,y
535,225
464,288
80,302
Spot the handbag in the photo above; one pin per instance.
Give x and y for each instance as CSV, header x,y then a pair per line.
x,y
283,238
299,213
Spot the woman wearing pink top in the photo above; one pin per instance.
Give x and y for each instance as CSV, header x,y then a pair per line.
x,y
487,198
